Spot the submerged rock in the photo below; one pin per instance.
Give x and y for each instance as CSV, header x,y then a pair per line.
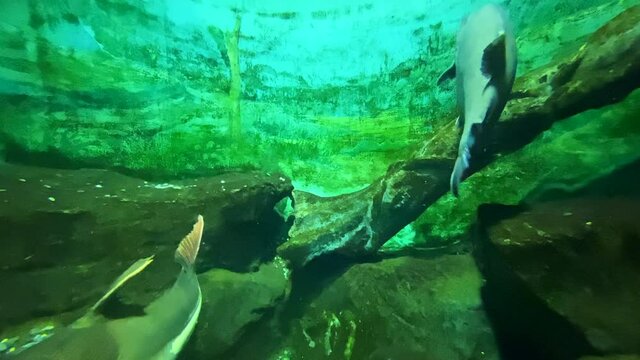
x,y
232,302
357,223
403,308
563,277
604,71
66,234
571,154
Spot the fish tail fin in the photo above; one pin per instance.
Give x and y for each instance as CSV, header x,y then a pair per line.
x,y
187,251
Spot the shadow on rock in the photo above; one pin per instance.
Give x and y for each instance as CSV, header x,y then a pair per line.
x,y
562,275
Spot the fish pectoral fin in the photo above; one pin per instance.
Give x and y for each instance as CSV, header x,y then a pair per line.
x,y
448,74
460,121
494,58
134,269
490,98
131,271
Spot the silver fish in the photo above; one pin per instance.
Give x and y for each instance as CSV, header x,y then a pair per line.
x,y
484,68
160,334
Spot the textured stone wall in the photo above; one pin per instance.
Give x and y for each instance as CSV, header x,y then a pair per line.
x,y
325,87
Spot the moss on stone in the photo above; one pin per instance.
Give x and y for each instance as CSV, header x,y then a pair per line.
x,y
572,153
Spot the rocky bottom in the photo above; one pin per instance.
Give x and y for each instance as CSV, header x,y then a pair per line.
x,y
557,277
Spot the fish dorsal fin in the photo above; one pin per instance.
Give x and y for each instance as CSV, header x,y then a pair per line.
x,y
187,251
133,270
494,58
448,74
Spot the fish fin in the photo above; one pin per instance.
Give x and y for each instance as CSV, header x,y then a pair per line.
x,y
494,59
89,319
448,74
187,251
460,121
133,270
456,175
490,95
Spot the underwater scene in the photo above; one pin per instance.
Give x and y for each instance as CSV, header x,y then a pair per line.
x,y
336,179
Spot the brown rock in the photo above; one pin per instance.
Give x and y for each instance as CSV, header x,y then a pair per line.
x,y
66,234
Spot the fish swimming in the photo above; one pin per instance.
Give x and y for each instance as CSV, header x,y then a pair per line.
x,y
159,334
484,68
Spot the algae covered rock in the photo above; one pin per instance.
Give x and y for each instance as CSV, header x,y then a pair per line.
x,y
66,234
403,308
563,278
359,223
544,97
231,303
569,155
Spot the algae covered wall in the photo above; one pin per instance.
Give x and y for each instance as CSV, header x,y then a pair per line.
x,y
329,93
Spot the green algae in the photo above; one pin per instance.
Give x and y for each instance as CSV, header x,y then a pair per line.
x,y
161,109
571,154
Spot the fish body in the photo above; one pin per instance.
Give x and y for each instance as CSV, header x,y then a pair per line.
x,y
158,335
167,325
484,69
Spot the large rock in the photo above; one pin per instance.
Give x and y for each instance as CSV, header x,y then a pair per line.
x,y
231,303
402,308
361,222
543,97
563,278
66,234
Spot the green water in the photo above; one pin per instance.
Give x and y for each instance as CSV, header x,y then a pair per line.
x,y
313,139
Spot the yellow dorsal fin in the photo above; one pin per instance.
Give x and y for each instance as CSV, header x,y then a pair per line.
x,y
187,251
